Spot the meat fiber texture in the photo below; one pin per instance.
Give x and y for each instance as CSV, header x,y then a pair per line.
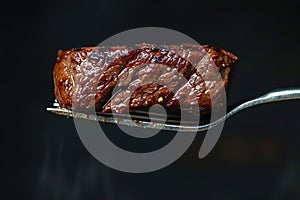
x,y
123,78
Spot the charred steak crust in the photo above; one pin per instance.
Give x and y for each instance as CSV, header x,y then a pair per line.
x,y
85,78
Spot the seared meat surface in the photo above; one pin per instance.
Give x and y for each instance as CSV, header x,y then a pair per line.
x,y
121,77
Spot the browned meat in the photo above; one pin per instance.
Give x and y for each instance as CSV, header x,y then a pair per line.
x,y
142,76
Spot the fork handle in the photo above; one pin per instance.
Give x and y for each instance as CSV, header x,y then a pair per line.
x,y
282,95
273,96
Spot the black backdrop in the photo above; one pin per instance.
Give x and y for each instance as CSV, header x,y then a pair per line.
x,y
257,154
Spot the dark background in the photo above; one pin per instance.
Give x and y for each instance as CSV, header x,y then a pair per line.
x,y
257,156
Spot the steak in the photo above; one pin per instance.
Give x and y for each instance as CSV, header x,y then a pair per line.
x,y
123,78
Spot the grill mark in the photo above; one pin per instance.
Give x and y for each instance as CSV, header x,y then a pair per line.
x,y
187,69
100,104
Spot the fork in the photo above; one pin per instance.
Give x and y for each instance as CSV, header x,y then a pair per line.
x,y
272,96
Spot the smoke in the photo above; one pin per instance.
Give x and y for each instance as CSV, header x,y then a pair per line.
x,y
62,178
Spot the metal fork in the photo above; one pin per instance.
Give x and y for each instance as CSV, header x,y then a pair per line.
x,y
273,96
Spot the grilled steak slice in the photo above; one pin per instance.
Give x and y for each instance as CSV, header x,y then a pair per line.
x,y
114,78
